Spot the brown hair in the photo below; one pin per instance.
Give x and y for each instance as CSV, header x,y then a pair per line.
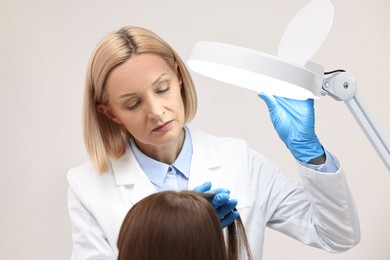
x,y
176,226
105,140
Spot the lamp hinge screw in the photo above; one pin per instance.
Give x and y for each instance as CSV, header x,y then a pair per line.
x,y
346,85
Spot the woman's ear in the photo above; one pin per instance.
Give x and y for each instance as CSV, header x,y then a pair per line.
x,y
107,111
178,74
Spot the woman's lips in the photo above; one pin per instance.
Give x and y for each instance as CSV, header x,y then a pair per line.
x,y
163,127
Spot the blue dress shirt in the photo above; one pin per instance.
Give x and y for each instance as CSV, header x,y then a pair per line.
x,y
165,176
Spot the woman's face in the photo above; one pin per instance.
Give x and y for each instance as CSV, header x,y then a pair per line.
x,y
144,96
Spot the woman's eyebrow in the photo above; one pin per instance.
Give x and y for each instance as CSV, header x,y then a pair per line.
x,y
126,95
159,78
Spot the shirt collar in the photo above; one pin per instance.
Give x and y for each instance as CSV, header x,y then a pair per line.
x,y
156,170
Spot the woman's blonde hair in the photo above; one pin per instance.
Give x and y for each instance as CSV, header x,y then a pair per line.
x,y
104,139
179,225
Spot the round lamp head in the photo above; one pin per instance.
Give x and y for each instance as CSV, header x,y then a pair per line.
x,y
254,70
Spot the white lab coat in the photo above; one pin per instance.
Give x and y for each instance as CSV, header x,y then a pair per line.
x,y
319,212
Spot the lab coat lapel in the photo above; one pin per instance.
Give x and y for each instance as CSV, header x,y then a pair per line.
x,y
128,173
205,159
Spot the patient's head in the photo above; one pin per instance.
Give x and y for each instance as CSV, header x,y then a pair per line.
x,y
178,225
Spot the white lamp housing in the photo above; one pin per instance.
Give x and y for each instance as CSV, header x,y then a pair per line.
x,y
255,70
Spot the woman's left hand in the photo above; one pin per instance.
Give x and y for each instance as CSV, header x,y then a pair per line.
x,y
293,120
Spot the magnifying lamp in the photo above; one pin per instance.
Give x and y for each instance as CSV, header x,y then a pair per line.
x,y
290,74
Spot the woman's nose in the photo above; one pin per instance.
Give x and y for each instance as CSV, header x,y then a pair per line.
x,y
154,110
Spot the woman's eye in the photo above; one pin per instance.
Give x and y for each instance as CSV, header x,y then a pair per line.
x,y
162,90
133,105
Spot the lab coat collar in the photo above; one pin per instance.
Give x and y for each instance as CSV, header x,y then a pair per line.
x,y
205,157
204,148
126,168
128,173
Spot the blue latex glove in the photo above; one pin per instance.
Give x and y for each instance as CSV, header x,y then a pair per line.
x,y
293,120
221,203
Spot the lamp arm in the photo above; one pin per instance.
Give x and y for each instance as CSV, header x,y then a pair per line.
x,y
342,87
370,128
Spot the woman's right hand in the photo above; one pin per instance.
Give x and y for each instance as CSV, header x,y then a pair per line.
x,y
221,203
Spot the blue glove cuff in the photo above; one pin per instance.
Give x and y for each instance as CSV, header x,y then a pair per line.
x,y
305,151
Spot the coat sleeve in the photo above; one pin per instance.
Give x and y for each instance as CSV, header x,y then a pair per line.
x,y
89,241
319,211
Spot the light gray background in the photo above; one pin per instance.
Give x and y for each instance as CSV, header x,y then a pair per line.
x,y
45,47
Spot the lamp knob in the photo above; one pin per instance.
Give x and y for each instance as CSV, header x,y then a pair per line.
x,y
341,86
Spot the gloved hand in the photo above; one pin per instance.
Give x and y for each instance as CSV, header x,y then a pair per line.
x,y
293,120
221,203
